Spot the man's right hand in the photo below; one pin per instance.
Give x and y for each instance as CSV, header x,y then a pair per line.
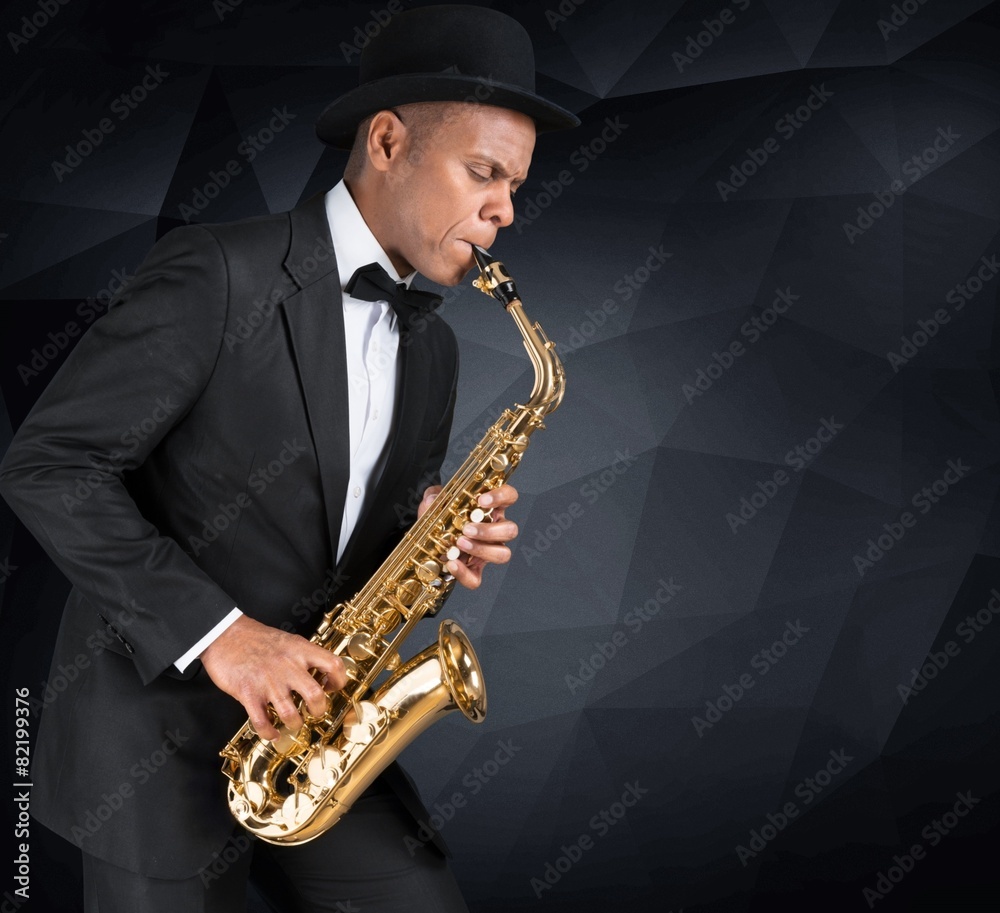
x,y
258,664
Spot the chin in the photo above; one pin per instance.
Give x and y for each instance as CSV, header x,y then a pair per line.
x,y
454,280
450,274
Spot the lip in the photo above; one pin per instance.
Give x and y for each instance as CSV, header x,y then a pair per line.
x,y
483,244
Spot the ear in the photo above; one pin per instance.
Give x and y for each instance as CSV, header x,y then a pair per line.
x,y
386,138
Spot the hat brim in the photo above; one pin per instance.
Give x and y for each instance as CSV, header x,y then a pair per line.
x,y
338,124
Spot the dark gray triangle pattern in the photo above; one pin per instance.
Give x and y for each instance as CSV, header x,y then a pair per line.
x,y
713,599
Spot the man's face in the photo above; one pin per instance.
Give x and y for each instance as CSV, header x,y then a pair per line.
x,y
456,191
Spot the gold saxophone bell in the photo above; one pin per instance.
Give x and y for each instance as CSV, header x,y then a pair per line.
x,y
294,788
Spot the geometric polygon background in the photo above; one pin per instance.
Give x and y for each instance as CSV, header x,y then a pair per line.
x,y
726,336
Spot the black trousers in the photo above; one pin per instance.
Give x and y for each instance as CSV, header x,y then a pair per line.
x,y
364,863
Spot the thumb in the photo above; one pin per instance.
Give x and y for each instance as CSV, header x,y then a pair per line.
x,y
429,495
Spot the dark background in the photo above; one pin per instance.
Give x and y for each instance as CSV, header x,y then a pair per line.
x,y
590,551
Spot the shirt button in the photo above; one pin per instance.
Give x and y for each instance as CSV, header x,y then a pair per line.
x,y
357,491
375,416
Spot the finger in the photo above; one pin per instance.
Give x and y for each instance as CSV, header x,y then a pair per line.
x,y
326,682
429,495
492,554
260,719
501,496
500,531
316,699
469,576
331,665
287,712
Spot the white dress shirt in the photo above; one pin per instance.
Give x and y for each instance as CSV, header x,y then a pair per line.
x,y
372,339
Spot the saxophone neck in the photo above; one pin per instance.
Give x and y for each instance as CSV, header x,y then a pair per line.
x,y
550,378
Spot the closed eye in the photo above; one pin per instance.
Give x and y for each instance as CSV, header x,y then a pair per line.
x,y
492,175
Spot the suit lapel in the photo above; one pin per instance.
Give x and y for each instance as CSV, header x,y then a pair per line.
x,y
315,321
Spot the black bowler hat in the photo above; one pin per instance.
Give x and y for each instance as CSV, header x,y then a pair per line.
x,y
444,53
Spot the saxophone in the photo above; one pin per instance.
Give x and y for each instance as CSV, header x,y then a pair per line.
x,y
292,789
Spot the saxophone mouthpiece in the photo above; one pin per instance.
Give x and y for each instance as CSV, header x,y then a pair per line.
x,y
493,278
482,256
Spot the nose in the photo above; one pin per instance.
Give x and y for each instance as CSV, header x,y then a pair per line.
x,y
499,208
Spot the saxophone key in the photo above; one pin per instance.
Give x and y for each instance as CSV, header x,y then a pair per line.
x,y
239,807
428,571
361,723
313,720
250,800
324,767
360,646
408,591
296,808
288,742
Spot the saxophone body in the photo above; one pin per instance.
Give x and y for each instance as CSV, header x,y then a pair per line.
x,y
294,788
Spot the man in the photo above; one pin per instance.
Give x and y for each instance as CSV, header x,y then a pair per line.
x,y
196,476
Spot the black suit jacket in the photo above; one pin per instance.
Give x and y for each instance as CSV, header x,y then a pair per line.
x,y
190,456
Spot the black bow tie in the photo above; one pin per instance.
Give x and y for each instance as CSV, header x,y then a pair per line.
x,y
373,283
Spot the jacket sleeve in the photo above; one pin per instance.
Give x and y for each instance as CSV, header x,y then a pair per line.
x,y
131,378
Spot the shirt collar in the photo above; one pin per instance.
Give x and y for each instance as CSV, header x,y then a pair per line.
x,y
353,241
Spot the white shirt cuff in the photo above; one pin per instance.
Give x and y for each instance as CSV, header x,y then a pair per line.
x,y
208,639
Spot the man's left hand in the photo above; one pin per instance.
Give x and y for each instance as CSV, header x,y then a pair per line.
x,y
481,543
